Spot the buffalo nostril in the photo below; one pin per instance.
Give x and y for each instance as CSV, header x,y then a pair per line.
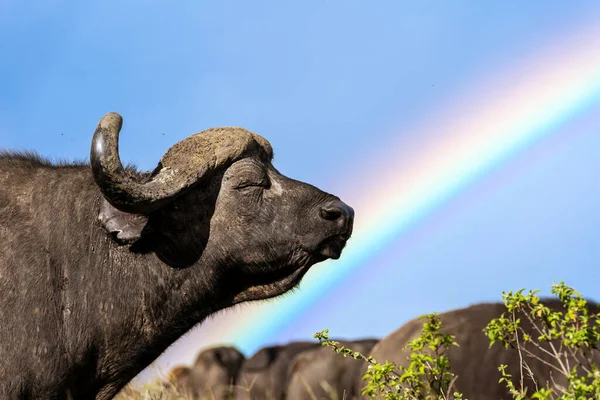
x,y
337,210
331,213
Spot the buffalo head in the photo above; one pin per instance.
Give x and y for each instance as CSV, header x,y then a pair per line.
x,y
216,197
215,371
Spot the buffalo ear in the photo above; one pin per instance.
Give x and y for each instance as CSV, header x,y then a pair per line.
x,y
127,227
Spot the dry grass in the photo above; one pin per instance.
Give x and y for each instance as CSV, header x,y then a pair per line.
x,y
158,390
152,391
166,389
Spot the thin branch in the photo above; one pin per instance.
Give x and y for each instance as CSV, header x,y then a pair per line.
x,y
520,355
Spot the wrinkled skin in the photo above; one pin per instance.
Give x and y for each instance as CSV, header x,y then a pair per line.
x,y
264,375
326,373
83,312
473,361
214,373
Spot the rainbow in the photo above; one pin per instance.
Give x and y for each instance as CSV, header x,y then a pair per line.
x,y
496,119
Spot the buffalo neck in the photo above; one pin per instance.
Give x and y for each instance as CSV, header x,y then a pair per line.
x,y
118,310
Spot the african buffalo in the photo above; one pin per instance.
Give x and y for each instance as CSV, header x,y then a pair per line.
x,y
322,373
263,376
103,267
214,372
474,362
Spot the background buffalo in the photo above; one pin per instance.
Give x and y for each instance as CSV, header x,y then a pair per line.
x,y
264,375
214,372
322,373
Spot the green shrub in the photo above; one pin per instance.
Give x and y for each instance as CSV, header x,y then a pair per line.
x,y
570,338
427,377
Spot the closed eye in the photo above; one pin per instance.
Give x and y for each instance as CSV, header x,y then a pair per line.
x,y
264,183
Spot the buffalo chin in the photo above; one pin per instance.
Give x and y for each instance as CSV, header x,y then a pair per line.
x,y
274,285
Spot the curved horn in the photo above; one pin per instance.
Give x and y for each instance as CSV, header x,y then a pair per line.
x,y
179,169
120,189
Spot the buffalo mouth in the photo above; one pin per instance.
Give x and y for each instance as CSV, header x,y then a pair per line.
x,y
332,247
272,283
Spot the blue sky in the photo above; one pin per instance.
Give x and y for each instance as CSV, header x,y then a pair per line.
x,y
329,84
